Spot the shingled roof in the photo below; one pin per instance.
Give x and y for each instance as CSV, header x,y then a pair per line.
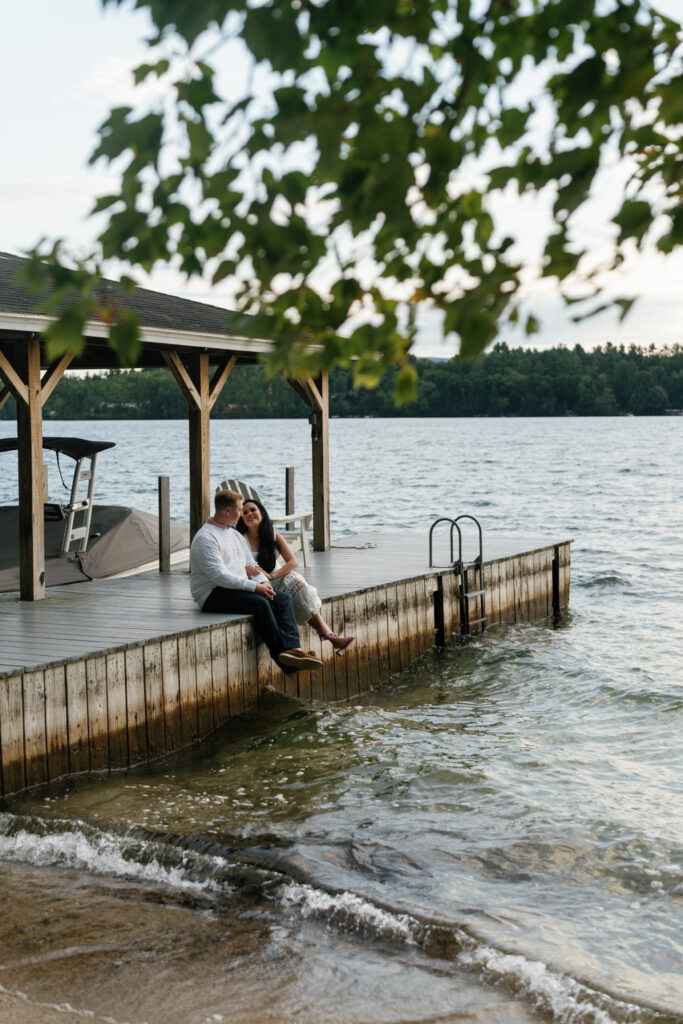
x,y
155,309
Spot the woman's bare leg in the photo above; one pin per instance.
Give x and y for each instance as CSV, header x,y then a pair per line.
x,y
340,643
319,625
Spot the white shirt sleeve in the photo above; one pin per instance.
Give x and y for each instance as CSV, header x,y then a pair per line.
x,y
217,559
219,563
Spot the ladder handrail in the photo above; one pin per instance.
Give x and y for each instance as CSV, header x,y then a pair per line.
x,y
466,515
461,569
454,525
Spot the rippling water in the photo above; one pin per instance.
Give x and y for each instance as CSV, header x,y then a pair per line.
x,y
494,835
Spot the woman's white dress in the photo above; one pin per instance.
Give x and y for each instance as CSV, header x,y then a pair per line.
x,y
305,600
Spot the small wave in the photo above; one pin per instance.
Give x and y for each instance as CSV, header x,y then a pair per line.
x,y
565,999
605,581
191,864
348,908
562,998
87,848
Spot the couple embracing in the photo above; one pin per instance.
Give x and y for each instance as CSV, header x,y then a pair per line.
x,y
233,568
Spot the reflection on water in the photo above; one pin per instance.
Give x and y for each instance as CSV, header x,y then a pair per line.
x,y
494,835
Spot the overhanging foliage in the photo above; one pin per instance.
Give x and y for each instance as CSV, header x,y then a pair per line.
x,y
355,175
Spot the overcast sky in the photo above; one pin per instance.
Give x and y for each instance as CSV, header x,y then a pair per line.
x,y
64,64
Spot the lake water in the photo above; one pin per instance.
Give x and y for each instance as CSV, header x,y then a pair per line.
x,y
495,835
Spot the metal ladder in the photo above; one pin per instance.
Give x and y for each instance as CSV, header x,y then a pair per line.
x,y
462,568
79,507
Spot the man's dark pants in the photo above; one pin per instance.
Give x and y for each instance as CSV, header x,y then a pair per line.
x,y
274,619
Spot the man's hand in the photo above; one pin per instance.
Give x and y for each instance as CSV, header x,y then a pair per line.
x,y
255,570
265,590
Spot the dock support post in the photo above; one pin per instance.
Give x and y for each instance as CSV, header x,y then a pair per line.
x,y
439,622
164,524
23,381
201,394
200,444
289,491
556,581
316,394
30,451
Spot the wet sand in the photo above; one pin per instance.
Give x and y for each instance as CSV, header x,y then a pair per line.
x,y
15,1010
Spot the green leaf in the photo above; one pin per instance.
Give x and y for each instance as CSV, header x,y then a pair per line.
x,y
625,306
124,338
66,333
634,219
405,385
143,71
104,203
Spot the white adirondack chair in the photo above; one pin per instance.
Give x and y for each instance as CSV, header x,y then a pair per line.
x,y
294,528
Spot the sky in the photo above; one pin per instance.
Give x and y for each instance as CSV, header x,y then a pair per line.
x,y
64,65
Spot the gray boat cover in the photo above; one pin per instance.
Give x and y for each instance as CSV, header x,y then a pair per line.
x,y
120,539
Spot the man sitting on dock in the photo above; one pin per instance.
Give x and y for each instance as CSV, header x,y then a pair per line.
x,y
219,582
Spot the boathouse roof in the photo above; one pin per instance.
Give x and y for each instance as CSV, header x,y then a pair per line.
x,y
166,320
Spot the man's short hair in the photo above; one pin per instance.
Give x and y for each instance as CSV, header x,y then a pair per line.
x,y
226,499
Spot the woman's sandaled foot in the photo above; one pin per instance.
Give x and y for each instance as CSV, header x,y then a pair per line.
x,y
340,643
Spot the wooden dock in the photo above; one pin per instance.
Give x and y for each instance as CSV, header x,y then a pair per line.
x,y
105,675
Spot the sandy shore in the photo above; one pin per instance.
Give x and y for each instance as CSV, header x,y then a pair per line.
x,y
15,1010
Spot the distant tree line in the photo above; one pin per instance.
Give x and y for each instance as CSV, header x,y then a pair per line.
x,y
505,382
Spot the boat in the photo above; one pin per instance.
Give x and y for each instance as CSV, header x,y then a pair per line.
x,y
84,541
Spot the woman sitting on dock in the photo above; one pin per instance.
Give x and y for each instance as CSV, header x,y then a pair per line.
x,y
267,545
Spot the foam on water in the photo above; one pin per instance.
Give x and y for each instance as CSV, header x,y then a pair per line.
x,y
348,908
165,861
557,995
85,848
564,998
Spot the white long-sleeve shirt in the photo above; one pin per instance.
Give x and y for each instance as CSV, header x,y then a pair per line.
x,y
218,556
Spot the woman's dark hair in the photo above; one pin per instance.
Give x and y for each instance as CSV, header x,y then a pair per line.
x,y
267,548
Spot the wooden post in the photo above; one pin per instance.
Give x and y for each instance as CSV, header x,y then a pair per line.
x,y
289,491
320,441
30,449
556,581
164,524
439,622
316,394
24,382
201,394
200,445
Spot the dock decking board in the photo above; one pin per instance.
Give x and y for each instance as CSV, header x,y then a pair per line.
x,y
107,674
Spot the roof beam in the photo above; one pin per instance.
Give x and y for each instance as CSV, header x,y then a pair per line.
x,y
307,388
315,393
53,375
219,378
13,380
185,383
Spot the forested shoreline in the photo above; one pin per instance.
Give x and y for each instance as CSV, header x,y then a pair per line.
x,y
607,381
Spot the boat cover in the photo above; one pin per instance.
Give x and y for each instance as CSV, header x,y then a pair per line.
x,y
121,538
